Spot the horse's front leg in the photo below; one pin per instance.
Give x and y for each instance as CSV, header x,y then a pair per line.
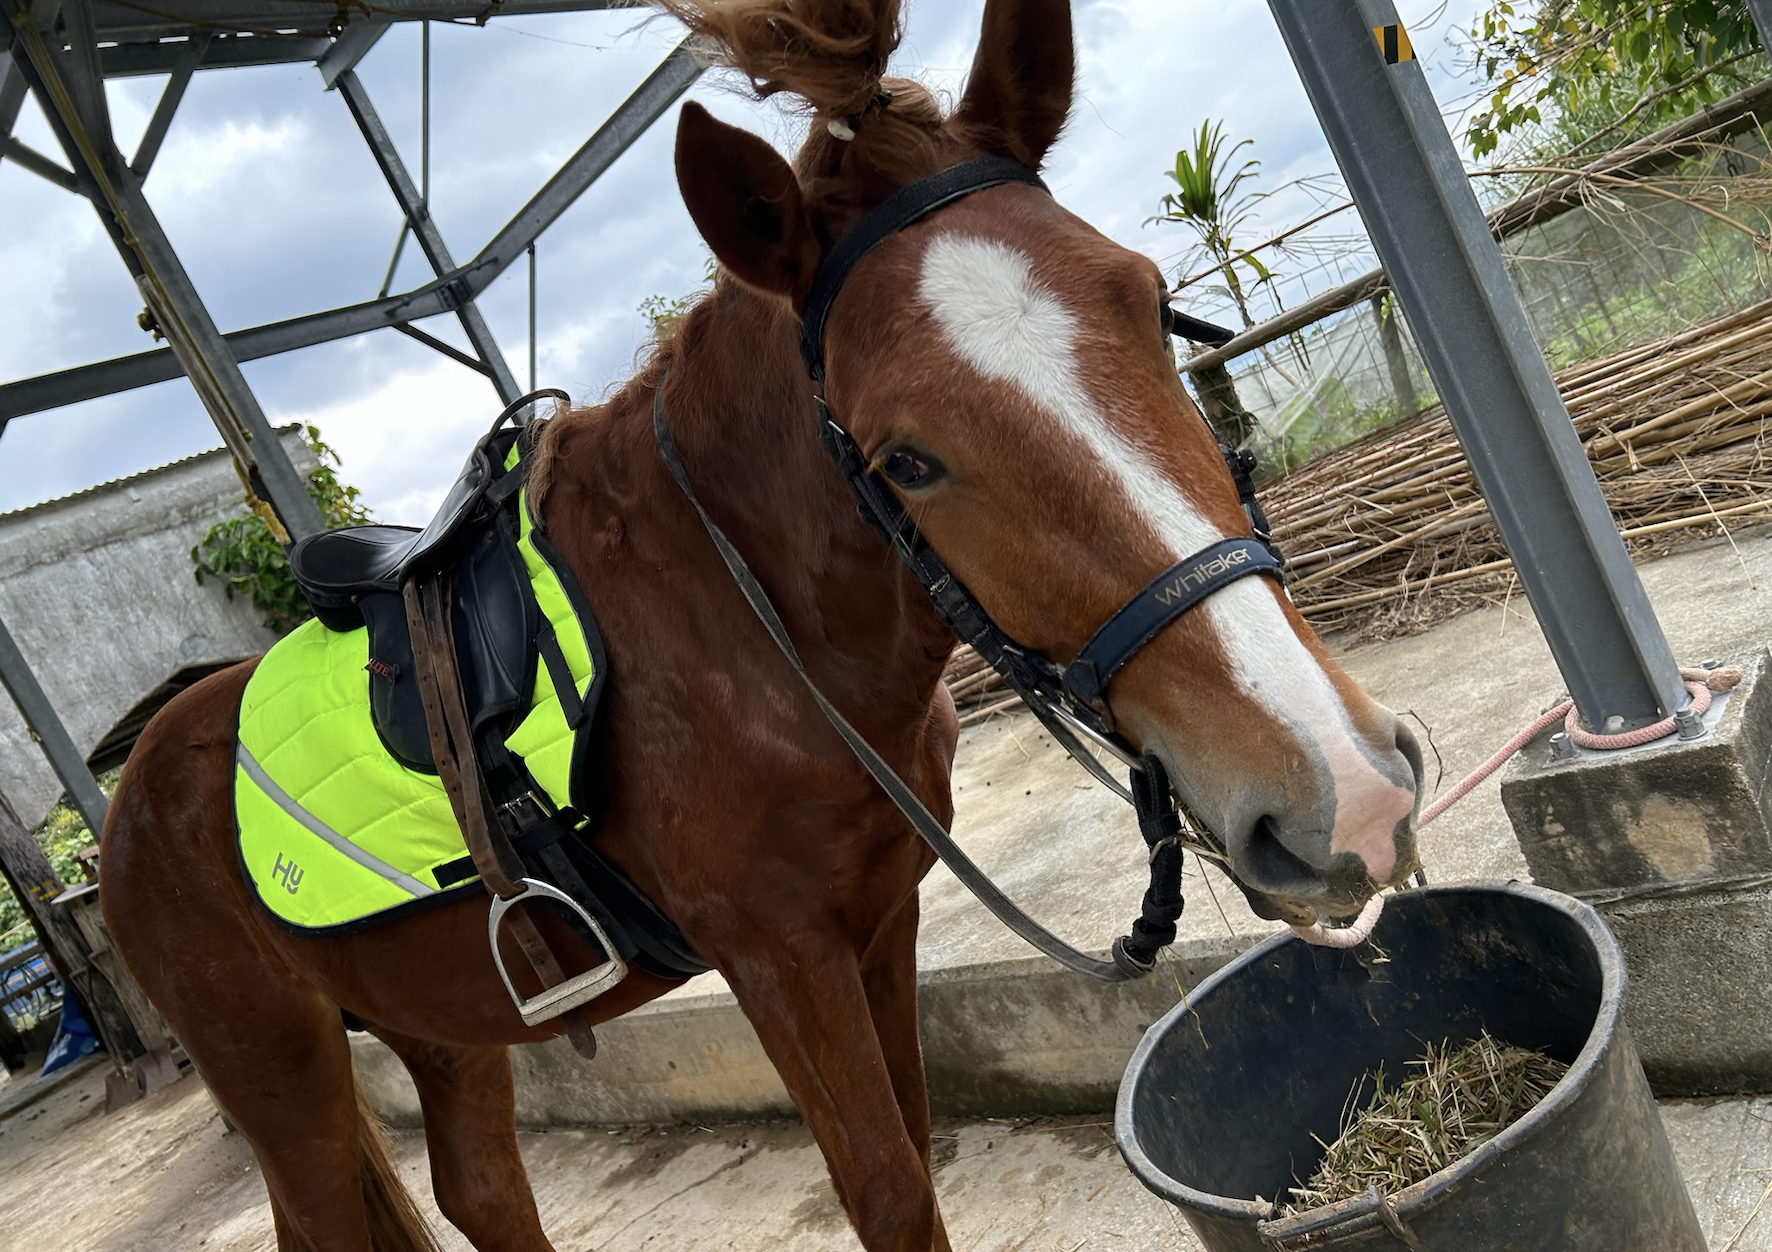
x,y
806,995
889,979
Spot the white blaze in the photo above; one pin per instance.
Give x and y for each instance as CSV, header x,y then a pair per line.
x,y
998,318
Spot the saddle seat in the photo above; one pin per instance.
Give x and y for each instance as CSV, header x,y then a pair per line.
x,y
336,568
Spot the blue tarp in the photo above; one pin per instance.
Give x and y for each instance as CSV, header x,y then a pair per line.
x,y
73,1039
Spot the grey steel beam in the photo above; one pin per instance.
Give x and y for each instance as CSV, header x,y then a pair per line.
x,y
84,80
447,349
348,49
165,287
614,137
47,729
1412,191
424,229
142,369
1761,11
117,20
12,86
189,58
29,158
444,295
225,52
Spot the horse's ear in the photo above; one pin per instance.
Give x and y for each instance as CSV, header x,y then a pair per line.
x,y
746,203
1019,92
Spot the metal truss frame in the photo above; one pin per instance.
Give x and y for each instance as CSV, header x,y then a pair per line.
x,y
180,54
61,52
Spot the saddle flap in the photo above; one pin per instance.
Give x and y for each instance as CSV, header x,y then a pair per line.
x,y
395,704
496,621
496,618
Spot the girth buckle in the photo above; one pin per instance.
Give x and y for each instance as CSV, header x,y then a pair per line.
x,y
566,996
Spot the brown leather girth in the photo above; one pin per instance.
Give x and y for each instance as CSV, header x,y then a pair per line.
x,y
452,748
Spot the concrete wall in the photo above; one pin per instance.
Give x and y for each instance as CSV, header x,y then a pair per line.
x,y
96,588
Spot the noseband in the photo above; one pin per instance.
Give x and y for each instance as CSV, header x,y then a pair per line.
x,y
1069,701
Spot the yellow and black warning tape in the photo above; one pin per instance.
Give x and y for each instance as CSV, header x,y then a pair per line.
x,y
1393,41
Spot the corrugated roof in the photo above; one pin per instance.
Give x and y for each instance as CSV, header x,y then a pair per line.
x,y
112,485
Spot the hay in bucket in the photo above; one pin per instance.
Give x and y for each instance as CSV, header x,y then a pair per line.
x,y
1459,1099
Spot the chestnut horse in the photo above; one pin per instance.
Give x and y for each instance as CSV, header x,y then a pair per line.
x,y
1006,367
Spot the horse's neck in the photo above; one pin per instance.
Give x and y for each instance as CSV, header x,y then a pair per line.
x,y
740,410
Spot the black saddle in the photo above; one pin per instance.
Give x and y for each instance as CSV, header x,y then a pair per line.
x,y
353,577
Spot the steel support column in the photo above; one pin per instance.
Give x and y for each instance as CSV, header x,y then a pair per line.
x,y
76,113
1761,12
46,727
1412,191
424,229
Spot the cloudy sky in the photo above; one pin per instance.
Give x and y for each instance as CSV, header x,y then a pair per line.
x,y
268,192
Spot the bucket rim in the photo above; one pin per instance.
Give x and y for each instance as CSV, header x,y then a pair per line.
x,y
1361,1211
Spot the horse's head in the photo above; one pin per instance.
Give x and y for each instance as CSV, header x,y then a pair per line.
x,y
1005,366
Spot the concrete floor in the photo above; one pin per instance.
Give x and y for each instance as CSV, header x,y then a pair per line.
x,y
166,1175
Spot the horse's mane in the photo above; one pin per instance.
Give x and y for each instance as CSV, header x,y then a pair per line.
x,y
832,54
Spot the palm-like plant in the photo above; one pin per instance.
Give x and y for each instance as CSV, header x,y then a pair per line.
x,y
1209,199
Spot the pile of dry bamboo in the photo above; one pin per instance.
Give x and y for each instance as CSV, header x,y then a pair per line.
x,y
1389,534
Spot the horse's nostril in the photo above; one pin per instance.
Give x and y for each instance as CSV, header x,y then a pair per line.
x,y
1408,745
1275,866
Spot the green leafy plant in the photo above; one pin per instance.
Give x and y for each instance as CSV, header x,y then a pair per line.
x,y
1603,71
1210,200
243,555
663,313
63,836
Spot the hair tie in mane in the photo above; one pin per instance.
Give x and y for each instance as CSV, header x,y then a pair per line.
x,y
844,127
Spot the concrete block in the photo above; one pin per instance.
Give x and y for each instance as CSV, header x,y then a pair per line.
x,y
1698,965
1009,1038
1672,812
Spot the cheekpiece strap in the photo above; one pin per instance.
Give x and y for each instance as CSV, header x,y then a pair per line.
x,y
886,219
1169,595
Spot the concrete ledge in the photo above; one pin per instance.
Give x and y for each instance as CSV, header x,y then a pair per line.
x,y
1008,1038
1699,962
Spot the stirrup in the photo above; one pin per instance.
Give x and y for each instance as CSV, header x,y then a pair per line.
x,y
566,996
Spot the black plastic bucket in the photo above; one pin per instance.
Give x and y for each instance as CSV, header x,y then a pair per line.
x,y
1223,1096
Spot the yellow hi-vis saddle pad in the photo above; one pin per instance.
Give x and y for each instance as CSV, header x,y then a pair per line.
x,y
333,831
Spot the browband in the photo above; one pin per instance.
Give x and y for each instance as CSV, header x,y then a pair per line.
x,y
1169,595
886,219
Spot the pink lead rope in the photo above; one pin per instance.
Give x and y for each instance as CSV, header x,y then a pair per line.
x,y
1700,682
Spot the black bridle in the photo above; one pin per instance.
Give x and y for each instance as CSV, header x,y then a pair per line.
x,y
1077,692
1070,701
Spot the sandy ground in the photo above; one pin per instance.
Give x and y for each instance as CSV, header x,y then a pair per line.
x,y
165,1173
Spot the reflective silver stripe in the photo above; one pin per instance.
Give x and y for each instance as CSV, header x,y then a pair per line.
x,y
406,882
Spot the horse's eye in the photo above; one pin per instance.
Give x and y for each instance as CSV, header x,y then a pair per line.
x,y
907,469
